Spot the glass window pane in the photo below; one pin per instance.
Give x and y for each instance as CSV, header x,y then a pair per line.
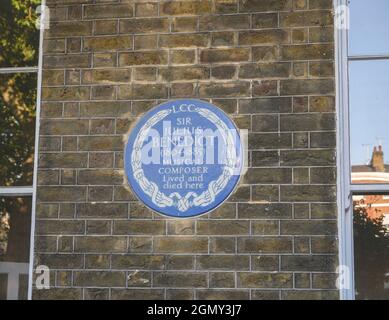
x,y
17,128
369,25
371,247
19,37
369,114
15,228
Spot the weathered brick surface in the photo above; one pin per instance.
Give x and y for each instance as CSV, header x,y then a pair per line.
x,y
270,66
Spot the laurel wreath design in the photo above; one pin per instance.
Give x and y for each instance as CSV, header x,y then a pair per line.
x,y
191,198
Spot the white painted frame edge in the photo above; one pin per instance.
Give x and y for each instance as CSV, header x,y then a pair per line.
x,y
16,191
18,70
345,230
36,154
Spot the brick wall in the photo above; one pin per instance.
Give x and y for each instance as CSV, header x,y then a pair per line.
x,y
269,65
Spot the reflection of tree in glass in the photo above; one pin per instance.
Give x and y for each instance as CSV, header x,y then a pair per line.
x,y
4,229
17,123
15,224
371,250
19,41
19,37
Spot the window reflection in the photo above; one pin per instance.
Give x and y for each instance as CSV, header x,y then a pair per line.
x,y
369,27
376,171
371,247
17,123
15,224
19,38
369,113
19,47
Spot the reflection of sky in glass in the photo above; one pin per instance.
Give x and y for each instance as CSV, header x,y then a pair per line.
x,y
369,80
369,108
369,27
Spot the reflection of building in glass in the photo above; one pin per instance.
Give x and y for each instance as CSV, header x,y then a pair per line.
x,y
375,172
376,206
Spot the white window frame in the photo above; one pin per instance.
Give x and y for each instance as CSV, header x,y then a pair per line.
x,y
36,150
16,191
346,190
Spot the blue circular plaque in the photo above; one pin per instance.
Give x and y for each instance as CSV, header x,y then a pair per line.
x,y
183,158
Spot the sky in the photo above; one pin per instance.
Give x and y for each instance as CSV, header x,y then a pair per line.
x,y
369,80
